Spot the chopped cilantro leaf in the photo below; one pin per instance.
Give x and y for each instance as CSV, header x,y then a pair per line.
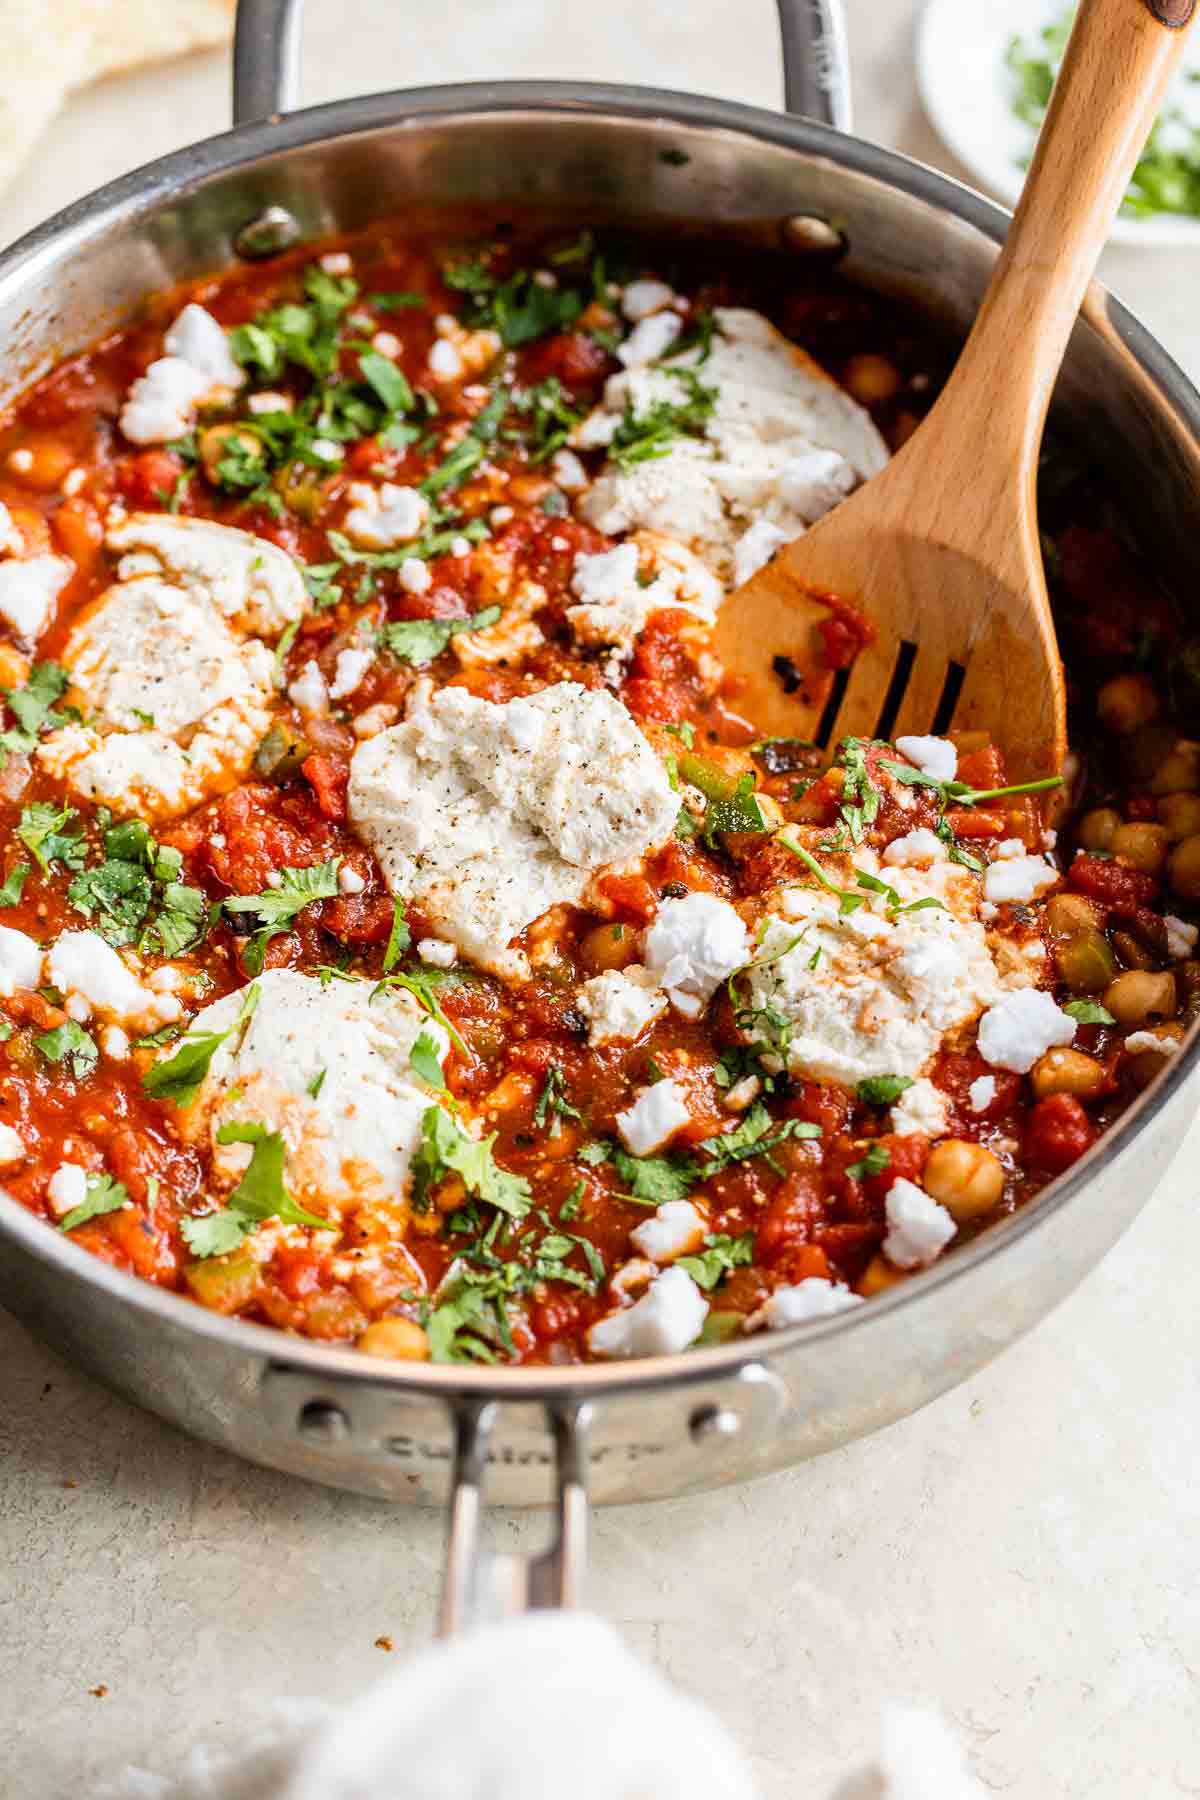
x,y
14,881
419,641
316,1084
719,1255
551,1103
399,937
1089,1012
876,1159
40,829
646,435
178,1077
71,1044
103,1195
422,985
447,1149
276,907
259,1195
32,707
882,1090
426,1062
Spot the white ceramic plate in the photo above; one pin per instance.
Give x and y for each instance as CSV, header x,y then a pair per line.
x,y
966,90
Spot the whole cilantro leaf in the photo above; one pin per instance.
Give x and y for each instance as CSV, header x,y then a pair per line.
x,y
419,641
447,1149
69,1043
718,1256
178,1077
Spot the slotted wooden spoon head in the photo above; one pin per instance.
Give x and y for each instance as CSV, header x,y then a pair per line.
x,y
940,553
956,596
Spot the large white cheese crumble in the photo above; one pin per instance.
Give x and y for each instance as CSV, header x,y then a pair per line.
x,y
694,944
657,1113
873,992
613,602
354,1139
1021,1027
619,1004
783,442
197,367
175,692
485,816
667,1318
812,1298
919,1227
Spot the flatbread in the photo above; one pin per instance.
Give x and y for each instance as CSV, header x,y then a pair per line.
x,y
52,49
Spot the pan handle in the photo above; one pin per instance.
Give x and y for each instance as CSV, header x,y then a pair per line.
x,y
816,72
482,1586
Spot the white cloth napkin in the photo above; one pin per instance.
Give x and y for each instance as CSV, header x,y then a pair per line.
x,y
547,1705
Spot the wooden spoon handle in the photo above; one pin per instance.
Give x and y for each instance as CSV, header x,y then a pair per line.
x,y
1117,66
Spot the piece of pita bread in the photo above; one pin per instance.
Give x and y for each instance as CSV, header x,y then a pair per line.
x,y
52,47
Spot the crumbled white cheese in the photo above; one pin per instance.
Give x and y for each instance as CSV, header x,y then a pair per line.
x,y
1137,1041
677,1229
1181,937
114,1042
657,1113
650,338
349,670
198,339
1022,1026
198,366
620,1003
12,1149
1018,878
66,1189
381,517
310,691
916,849
782,442
82,963
934,756
414,575
568,471
922,1109
872,992
812,1298
354,1139
919,1228
641,298
437,954
268,402
253,584
1008,847
695,943
336,262
444,360
742,1093
11,541
387,344
614,603
20,963
29,586
982,1092
487,815
755,548
350,881
668,1317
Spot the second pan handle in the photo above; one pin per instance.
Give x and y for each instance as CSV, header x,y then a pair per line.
x,y
816,72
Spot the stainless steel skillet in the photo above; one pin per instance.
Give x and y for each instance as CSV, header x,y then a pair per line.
x,y
679,1424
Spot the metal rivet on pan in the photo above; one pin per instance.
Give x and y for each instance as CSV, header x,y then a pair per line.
x,y
816,237
320,1422
270,231
710,1422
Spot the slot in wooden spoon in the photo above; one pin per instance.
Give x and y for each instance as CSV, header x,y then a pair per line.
x,y
940,550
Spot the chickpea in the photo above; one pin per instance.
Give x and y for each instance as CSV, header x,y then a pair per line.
x,y
1067,914
1143,847
1066,1071
1096,828
871,378
1127,703
966,1178
1180,815
1183,869
401,1340
878,1275
216,443
1137,996
1179,771
608,947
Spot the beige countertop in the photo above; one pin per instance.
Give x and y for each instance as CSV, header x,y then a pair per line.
x,y
1024,1554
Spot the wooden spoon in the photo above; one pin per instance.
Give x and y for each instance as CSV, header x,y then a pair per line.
x,y
940,550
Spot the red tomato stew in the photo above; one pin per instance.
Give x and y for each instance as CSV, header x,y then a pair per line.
x,y
406,941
